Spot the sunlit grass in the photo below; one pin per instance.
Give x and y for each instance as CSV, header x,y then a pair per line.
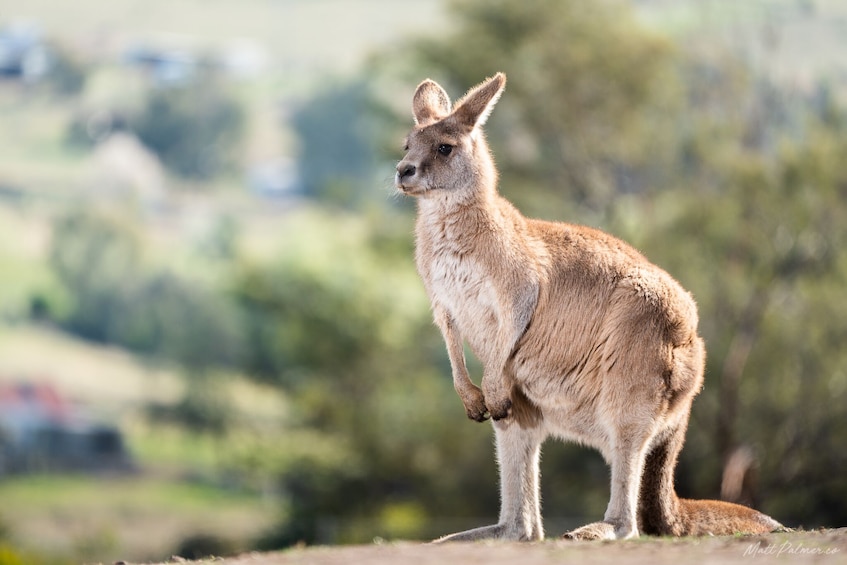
x,y
172,448
133,493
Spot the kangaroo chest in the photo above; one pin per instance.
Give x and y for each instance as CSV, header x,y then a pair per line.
x,y
461,284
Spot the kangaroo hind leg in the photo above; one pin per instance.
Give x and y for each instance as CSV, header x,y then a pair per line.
x,y
626,457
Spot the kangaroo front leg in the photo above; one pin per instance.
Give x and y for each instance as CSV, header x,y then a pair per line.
x,y
471,395
518,455
497,392
512,323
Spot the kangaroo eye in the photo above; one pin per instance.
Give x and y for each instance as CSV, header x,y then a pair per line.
x,y
406,147
445,149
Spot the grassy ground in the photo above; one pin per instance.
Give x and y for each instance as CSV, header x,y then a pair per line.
x,y
828,547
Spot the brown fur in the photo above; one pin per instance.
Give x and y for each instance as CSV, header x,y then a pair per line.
x,y
579,335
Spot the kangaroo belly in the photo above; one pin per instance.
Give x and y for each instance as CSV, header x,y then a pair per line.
x,y
585,362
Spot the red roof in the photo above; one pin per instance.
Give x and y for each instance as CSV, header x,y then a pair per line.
x,y
36,397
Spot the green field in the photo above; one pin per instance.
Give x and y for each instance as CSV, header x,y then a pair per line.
x,y
111,518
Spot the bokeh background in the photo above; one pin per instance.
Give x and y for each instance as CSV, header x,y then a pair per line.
x,y
212,336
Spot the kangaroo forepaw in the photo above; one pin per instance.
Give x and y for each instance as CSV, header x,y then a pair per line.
x,y
500,410
474,403
477,414
498,397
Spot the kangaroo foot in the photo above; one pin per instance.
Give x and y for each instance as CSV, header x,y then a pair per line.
x,y
497,531
485,532
598,531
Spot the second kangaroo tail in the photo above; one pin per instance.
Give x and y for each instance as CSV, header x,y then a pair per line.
x,y
661,512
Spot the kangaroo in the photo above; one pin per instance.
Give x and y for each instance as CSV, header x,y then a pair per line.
x,y
579,335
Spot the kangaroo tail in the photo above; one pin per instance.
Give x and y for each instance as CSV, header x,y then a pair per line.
x,y
714,517
661,512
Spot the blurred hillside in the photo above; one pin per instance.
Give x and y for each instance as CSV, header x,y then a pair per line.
x,y
200,245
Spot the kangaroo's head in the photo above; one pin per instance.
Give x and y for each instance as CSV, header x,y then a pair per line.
x,y
446,153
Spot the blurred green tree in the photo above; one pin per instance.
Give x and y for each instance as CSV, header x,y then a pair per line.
x,y
336,156
66,75
195,129
115,297
347,334
772,221
582,75
94,257
747,215
204,409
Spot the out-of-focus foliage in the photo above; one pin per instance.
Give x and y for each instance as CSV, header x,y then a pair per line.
x,y
12,556
195,128
581,75
112,296
204,408
348,334
336,159
758,238
66,75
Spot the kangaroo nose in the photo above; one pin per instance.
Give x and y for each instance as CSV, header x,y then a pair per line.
x,y
406,170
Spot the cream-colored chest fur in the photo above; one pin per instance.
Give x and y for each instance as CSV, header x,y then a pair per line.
x,y
458,281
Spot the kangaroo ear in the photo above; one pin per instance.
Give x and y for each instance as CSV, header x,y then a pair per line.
x,y
475,107
430,103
